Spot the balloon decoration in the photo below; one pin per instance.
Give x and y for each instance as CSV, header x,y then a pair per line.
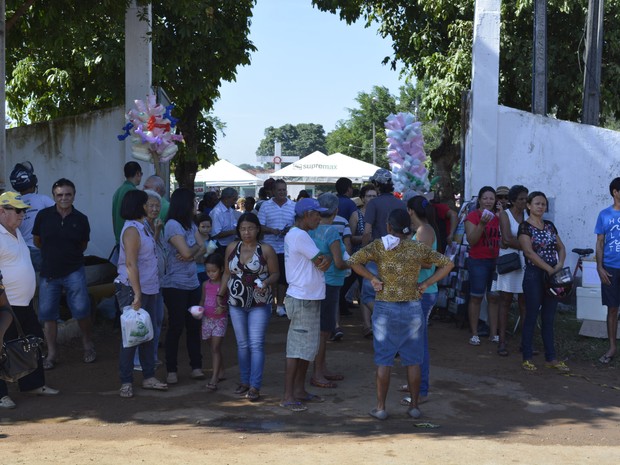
x,y
151,130
406,154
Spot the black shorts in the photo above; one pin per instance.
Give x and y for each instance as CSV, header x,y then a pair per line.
x,y
282,280
610,295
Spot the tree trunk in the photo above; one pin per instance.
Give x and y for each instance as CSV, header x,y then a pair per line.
x,y
186,161
444,158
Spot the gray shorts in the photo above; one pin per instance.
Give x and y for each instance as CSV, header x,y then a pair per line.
x,y
303,336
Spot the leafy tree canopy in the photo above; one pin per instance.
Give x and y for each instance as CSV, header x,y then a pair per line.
x,y
297,140
432,40
66,57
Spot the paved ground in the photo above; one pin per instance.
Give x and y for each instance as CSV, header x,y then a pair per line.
x,y
486,409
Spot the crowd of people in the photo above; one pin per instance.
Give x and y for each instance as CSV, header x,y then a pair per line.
x,y
241,260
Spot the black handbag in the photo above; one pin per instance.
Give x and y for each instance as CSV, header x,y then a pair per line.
x,y
21,355
507,263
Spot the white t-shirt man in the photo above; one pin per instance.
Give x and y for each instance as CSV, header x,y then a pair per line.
x,y
305,281
18,274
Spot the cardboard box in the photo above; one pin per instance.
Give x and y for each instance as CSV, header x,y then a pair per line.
x,y
590,276
589,306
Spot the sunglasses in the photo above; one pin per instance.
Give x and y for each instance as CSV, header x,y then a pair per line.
x,y
17,210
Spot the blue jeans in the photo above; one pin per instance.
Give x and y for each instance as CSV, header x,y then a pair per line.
x,y
428,301
157,324
124,295
50,290
537,301
250,325
368,292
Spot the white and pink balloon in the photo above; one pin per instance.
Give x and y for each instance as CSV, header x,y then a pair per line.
x,y
151,130
406,153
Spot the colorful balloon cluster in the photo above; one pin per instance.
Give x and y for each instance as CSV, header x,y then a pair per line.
x,y
406,153
151,129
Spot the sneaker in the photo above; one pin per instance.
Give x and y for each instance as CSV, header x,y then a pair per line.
x,y
338,335
281,311
474,341
560,366
197,373
7,402
172,378
137,368
126,390
495,339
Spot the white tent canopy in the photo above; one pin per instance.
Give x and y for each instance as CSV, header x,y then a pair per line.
x,y
223,173
318,168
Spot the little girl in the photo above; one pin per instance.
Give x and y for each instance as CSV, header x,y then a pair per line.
x,y
215,317
203,236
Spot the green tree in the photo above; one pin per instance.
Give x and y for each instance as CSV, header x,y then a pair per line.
x,y
297,140
66,57
432,42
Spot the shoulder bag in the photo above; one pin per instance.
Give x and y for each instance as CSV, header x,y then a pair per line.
x,y
22,354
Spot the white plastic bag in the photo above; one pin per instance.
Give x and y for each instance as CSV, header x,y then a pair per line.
x,y
136,326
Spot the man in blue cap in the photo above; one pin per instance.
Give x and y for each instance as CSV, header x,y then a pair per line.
x,y
306,289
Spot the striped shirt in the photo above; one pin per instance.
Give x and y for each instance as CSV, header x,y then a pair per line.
x,y
275,216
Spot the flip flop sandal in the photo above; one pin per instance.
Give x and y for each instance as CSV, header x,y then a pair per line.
x,y
378,414
605,359
212,387
154,384
403,388
242,389
126,391
48,364
334,377
320,384
312,398
294,406
252,395
90,355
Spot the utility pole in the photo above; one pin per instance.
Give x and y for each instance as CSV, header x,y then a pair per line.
x,y
593,59
539,81
3,94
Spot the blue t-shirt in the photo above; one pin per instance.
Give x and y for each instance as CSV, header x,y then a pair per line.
x,y
323,236
608,223
179,274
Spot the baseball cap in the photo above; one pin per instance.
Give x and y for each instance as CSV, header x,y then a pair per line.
x,y
308,205
381,176
12,199
502,190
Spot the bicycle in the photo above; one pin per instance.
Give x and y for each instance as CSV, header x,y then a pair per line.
x,y
583,253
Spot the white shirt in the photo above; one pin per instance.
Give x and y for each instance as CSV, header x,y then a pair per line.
x,y
275,216
37,203
18,275
223,219
305,281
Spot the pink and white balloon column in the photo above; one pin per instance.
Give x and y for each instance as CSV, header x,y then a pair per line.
x,y
406,153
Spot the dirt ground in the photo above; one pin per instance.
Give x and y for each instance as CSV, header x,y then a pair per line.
x,y
486,409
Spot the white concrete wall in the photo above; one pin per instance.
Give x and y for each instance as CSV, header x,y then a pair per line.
x,y
84,149
571,163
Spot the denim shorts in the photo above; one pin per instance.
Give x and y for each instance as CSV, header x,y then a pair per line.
x,y
398,327
368,292
610,295
481,273
50,291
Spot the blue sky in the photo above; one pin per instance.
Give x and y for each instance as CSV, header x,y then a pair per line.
x,y
309,68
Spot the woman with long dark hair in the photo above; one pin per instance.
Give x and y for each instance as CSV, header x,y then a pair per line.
x,y
482,231
180,287
544,255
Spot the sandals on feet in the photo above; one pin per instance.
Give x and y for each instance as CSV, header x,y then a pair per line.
x,y
252,395
605,359
212,387
242,389
294,406
501,351
90,355
378,414
48,364
154,384
126,390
